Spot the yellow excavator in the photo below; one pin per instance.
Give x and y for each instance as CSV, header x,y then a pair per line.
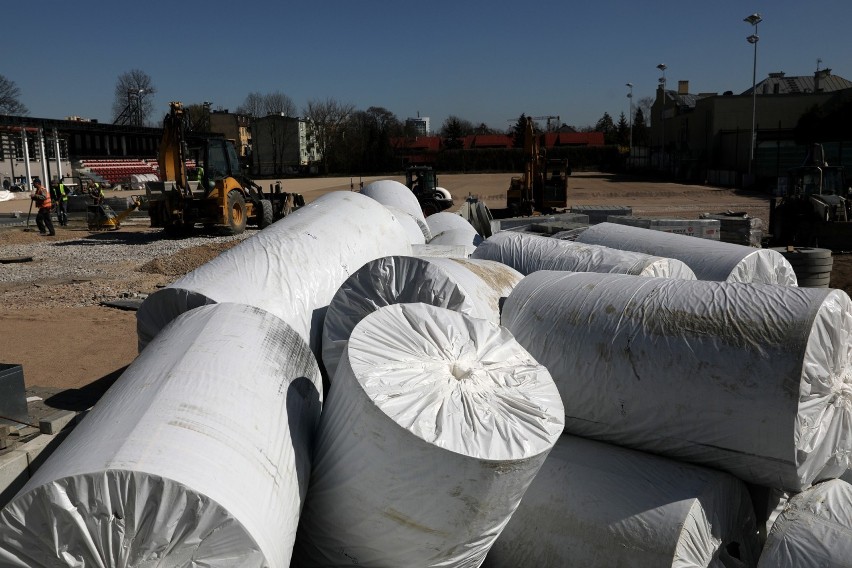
x,y
220,198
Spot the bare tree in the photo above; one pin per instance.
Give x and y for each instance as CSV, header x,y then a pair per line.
x,y
328,118
198,117
645,103
279,103
132,103
10,98
253,105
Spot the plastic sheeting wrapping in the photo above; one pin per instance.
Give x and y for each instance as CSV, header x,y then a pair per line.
x,y
292,268
443,251
199,455
529,253
747,378
445,221
815,529
435,425
452,229
394,194
708,259
414,228
597,505
472,287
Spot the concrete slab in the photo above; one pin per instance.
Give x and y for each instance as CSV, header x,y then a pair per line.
x,y
14,473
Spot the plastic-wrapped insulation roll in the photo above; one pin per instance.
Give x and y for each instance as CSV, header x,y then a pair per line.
x,y
414,228
394,194
452,229
815,529
752,379
443,251
708,259
472,287
434,427
291,269
199,455
445,221
528,253
598,505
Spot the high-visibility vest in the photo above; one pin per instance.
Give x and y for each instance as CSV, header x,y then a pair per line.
x,y
62,195
47,203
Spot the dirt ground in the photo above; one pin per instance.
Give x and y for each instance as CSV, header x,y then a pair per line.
x,y
87,347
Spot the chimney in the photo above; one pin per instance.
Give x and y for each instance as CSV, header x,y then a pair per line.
x,y
818,77
683,87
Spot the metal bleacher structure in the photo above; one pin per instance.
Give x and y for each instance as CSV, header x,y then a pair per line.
x,y
116,171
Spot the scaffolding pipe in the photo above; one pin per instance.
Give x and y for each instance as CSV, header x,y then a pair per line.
x,y
58,155
29,181
45,176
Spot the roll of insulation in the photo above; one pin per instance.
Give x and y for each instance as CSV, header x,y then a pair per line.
x,y
528,253
814,529
435,425
598,505
291,269
446,221
747,378
416,229
394,194
199,455
443,251
472,287
708,259
452,229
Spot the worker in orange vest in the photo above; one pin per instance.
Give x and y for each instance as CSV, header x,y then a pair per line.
x,y
42,199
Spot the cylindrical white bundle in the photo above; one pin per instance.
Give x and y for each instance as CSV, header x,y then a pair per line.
x,y
472,287
815,529
708,259
445,221
451,229
748,378
198,455
443,251
598,505
394,194
435,425
291,269
415,229
528,253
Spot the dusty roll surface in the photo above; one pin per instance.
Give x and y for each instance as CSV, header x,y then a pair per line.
x,y
292,268
597,505
708,259
435,425
528,253
751,379
198,455
472,287
394,194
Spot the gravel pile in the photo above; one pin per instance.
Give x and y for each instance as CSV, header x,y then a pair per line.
x,y
89,269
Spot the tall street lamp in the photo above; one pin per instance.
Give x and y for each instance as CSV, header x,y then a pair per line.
x,y
662,67
754,19
630,99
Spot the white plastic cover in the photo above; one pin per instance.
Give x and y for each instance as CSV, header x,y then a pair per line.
x,y
443,251
472,287
815,529
292,268
435,425
597,505
199,455
752,379
452,229
708,259
394,194
412,228
444,221
528,253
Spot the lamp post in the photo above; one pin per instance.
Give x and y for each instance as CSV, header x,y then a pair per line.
x,y
662,67
754,19
630,99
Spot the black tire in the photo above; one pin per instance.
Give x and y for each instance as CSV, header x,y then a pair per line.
x,y
236,221
265,214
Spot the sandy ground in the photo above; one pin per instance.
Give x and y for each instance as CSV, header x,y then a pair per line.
x,y
85,348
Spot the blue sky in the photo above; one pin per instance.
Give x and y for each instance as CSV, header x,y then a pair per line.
x,y
482,61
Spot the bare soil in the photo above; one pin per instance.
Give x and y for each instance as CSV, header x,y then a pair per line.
x,y
64,347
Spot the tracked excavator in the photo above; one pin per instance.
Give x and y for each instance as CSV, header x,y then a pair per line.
x,y
220,198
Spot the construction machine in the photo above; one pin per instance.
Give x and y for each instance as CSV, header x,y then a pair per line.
x,y
423,182
220,198
102,217
815,207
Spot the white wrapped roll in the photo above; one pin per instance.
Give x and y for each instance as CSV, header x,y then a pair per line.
x,y
445,221
291,269
528,253
394,194
443,251
597,505
747,378
198,455
451,229
815,529
708,259
435,426
472,287
414,228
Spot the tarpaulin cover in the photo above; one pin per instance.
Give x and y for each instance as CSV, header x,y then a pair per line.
x,y
597,505
435,425
752,379
708,259
292,268
528,253
394,194
472,287
815,529
199,455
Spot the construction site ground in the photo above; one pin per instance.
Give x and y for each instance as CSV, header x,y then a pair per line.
x,y
72,348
